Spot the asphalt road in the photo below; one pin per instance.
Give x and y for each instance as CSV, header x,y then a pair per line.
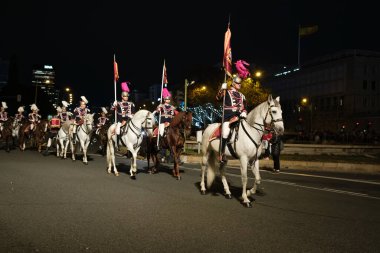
x,y
53,205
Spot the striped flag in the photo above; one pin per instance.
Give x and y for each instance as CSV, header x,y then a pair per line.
x,y
165,77
115,70
227,57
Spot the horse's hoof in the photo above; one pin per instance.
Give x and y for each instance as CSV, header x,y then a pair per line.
x,y
86,163
117,174
133,177
228,196
178,177
203,192
248,205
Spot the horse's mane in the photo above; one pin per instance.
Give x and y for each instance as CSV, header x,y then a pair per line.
x,y
177,119
261,108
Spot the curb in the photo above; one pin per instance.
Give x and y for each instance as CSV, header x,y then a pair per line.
x,y
371,169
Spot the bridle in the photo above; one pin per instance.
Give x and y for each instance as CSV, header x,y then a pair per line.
x,y
273,121
88,129
146,124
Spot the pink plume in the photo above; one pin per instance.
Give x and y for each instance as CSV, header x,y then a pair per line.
x,y
243,72
124,86
166,93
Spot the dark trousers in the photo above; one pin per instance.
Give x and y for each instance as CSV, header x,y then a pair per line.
x,y
276,150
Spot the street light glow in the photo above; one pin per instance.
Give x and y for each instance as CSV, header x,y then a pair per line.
x,y
67,89
258,74
304,100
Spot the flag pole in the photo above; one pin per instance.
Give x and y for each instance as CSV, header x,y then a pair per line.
x,y
159,116
114,83
299,47
224,95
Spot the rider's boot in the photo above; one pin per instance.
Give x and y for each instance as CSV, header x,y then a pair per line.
x,y
222,158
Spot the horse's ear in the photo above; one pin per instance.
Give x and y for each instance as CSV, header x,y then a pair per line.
x,y
278,99
270,99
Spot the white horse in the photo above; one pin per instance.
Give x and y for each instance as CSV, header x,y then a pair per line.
x,y
132,138
83,136
63,139
247,147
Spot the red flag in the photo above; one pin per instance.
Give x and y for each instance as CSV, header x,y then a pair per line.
x,y
165,77
115,70
227,57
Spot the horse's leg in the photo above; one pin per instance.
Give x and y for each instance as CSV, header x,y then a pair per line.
x,y
244,180
133,169
65,146
84,144
72,146
177,160
227,191
205,159
256,172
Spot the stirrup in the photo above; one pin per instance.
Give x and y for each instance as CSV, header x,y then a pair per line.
x,y
222,159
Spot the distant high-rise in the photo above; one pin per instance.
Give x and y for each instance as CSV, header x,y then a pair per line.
x,y
43,75
44,80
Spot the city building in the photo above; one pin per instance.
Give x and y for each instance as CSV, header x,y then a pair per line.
x,y
43,78
336,91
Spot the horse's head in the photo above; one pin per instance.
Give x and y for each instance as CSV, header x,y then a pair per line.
x,y
88,120
144,119
273,116
188,120
183,120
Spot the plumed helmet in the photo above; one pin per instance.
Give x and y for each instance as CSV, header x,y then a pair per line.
x,y
237,80
33,107
124,89
84,99
104,110
166,94
20,109
4,105
65,104
59,109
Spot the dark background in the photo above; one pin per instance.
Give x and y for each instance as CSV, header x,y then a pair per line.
x,y
79,38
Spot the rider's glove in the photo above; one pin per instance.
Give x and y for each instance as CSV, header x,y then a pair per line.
x,y
224,86
243,115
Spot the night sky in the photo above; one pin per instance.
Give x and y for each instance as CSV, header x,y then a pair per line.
x,y
79,39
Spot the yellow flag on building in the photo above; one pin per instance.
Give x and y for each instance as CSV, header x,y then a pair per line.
x,y
307,30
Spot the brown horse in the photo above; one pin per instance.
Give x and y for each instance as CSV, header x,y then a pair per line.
x,y
36,137
6,134
174,140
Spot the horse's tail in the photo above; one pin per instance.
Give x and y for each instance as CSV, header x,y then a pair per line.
x,y
211,168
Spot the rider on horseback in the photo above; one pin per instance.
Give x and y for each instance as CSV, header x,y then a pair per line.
x,y
53,131
3,115
79,113
125,109
234,107
64,115
102,120
34,117
19,117
167,110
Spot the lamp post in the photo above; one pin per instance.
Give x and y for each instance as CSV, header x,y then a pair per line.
x,y
187,84
305,101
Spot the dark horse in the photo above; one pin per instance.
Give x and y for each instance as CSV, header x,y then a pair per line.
x,y
6,134
37,136
173,139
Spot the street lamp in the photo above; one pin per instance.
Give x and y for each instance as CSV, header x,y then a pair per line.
x,y
187,84
304,102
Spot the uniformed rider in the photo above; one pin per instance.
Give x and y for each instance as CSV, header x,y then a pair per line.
x,y
234,107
